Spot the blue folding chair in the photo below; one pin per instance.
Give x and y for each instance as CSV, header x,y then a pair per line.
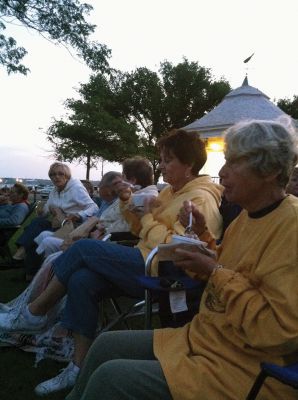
x,y
287,374
131,309
150,305
158,291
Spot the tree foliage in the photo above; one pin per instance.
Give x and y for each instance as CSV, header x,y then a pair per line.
x,y
172,98
190,91
61,21
289,106
95,128
124,114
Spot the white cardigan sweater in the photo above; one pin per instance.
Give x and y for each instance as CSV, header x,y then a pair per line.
x,y
73,199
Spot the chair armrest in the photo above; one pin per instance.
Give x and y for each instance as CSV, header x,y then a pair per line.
x,y
149,260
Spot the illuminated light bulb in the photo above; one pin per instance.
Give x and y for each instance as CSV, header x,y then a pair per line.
x,y
215,147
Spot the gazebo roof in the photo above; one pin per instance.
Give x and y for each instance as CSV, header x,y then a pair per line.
x,y
243,103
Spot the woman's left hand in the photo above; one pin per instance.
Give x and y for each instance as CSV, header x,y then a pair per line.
x,y
196,262
97,234
124,190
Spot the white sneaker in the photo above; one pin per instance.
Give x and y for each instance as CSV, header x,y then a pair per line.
x,y
10,322
19,254
66,379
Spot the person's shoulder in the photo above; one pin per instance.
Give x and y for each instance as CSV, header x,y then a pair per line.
x,y
22,208
290,205
151,189
72,182
75,185
203,187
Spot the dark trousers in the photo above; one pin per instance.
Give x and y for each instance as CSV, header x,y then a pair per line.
x,y
32,260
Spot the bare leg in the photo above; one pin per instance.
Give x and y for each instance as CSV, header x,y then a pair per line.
x,y
48,298
81,347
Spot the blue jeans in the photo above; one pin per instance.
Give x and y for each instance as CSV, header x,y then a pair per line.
x,y
91,269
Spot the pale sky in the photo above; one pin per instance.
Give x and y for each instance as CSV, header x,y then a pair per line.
x,y
218,34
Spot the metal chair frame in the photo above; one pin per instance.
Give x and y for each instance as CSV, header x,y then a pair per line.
x,y
143,307
276,372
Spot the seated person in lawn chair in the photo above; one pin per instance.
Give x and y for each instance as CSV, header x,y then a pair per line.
x,y
69,200
90,269
248,312
14,210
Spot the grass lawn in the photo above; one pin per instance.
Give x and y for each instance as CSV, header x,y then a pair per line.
x,y
18,375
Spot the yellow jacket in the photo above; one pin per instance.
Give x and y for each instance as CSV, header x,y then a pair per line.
x,y
248,314
159,226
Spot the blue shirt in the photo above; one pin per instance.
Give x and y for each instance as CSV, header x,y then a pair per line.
x,y
13,214
103,206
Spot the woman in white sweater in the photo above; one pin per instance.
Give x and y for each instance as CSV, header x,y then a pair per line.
x,y
69,200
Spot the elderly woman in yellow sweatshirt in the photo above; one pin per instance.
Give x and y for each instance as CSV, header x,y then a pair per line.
x,y
248,312
89,269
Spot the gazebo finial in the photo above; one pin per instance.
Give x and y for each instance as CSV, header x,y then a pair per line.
x,y
245,82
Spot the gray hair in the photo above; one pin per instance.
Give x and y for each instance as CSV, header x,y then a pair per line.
x,y
64,167
269,146
108,178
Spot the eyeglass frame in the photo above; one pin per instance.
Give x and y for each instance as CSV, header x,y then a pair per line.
x,y
52,174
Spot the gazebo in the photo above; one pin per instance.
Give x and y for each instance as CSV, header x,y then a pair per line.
x,y
243,103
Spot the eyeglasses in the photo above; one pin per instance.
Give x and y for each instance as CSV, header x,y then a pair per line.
x,y
52,174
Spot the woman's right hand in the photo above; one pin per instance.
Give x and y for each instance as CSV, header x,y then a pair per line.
x,y
198,220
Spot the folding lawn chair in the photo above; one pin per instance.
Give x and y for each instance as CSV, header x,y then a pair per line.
x,y
287,374
159,293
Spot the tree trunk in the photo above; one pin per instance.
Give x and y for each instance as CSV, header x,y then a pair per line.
x,y
88,161
102,163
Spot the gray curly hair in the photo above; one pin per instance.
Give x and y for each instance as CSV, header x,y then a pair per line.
x,y
269,146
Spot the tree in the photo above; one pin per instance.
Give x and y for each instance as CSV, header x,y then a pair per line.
x,y
61,21
190,91
95,128
172,98
142,98
124,114
289,106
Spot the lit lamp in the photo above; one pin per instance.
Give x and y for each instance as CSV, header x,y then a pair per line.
x,y
215,156
214,145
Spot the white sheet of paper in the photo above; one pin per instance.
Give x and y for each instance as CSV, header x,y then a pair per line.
x,y
178,301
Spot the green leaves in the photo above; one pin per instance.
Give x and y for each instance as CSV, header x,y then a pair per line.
x,y
120,115
96,128
61,21
289,106
172,98
11,55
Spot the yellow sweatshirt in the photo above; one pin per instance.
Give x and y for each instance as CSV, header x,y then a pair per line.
x,y
248,314
159,226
